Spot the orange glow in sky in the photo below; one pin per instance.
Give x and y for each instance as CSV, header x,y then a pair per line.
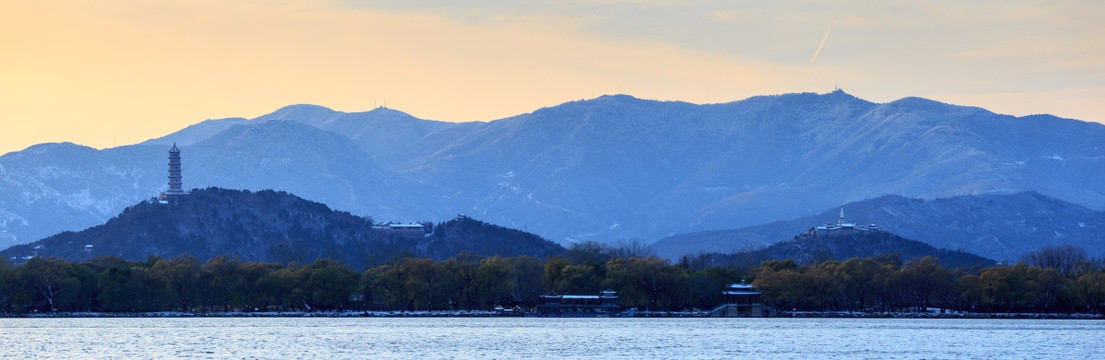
x,y
104,73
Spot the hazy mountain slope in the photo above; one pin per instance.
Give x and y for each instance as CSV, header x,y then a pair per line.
x,y
911,147
270,226
49,188
197,132
381,132
1002,227
558,169
315,164
620,167
616,165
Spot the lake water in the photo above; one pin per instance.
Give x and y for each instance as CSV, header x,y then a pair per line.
x,y
540,338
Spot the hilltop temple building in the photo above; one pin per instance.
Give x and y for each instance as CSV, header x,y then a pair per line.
x,y
842,227
175,185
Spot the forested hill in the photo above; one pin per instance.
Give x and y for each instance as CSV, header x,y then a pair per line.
x,y
271,226
461,233
805,249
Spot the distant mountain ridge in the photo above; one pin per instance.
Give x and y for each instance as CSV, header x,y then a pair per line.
x,y
1000,227
614,167
624,167
270,226
807,250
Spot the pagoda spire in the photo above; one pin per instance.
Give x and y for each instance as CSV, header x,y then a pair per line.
x,y
175,185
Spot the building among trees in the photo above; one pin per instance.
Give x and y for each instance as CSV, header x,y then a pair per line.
x,y
603,305
741,300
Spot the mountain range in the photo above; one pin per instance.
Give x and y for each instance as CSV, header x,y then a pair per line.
x,y
613,167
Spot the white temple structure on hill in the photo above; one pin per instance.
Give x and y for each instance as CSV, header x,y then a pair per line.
x,y
842,227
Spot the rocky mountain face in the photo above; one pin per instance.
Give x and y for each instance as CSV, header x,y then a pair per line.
x,y
272,226
1000,227
610,168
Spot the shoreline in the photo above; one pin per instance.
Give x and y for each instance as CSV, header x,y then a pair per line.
x,y
486,313
937,315
258,314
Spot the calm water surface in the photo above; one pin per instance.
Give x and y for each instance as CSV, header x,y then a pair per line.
x,y
537,338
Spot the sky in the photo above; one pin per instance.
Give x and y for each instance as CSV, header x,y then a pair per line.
x,y
108,73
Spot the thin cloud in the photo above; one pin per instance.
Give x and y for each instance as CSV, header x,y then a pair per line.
x,y
819,46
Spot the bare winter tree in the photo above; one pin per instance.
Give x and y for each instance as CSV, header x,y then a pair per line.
x,y
625,249
1065,258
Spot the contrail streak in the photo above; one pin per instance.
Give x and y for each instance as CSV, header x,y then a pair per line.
x,y
821,45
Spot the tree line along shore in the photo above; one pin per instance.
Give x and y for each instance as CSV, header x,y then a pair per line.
x,y
1049,281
